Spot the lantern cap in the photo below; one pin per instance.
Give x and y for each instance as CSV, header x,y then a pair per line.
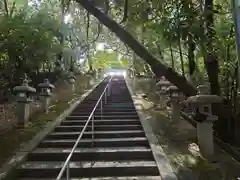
x,y
163,82
173,89
46,84
24,87
204,99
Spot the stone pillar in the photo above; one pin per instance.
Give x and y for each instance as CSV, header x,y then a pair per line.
x,y
46,94
175,115
205,139
46,103
175,98
163,84
23,99
162,99
72,80
72,87
23,114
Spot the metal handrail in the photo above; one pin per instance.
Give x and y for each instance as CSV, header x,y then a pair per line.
x,y
91,117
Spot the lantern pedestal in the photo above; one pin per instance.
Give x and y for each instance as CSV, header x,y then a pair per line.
x,y
205,139
72,86
72,80
175,98
163,84
162,101
23,113
175,114
46,103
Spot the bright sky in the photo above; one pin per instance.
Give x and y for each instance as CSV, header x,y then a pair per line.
x,y
67,18
34,2
100,46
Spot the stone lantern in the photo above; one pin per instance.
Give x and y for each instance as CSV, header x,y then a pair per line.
x,y
100,74
175,96
72,80
23,93
202,103
163,84
46,94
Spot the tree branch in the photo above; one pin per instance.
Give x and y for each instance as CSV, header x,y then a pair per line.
x,y
157,67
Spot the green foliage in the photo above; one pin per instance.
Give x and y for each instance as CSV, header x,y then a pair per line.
x,y
169,28
103,59
35,34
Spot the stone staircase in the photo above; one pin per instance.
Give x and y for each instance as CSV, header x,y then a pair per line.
x,y
120,150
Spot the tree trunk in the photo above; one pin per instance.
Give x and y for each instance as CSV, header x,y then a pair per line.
x,y
172,58
191,57
157,67
6,7
211,62
181,56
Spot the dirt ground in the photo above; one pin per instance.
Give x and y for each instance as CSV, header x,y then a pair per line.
x,y
11,138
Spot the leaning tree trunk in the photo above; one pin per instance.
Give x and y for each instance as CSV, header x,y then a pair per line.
x,y
157,67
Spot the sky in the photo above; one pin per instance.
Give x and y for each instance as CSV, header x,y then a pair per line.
x,y
100,46
67,18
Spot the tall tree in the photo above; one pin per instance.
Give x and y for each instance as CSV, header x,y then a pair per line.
x,y
157,67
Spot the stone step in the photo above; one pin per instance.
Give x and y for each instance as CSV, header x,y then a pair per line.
x,y
113,105
103,122
105,117
118,149
89,169
98,128
88,103
104,112
116,105
104,142
104,178
128,103
120,100
97,134
106,109
95,97
91,154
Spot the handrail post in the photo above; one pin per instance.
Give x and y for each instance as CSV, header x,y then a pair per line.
x,y
101,108
67,172
105,96
92,129
109,88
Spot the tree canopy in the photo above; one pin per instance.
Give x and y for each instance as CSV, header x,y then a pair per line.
x,y
184,40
